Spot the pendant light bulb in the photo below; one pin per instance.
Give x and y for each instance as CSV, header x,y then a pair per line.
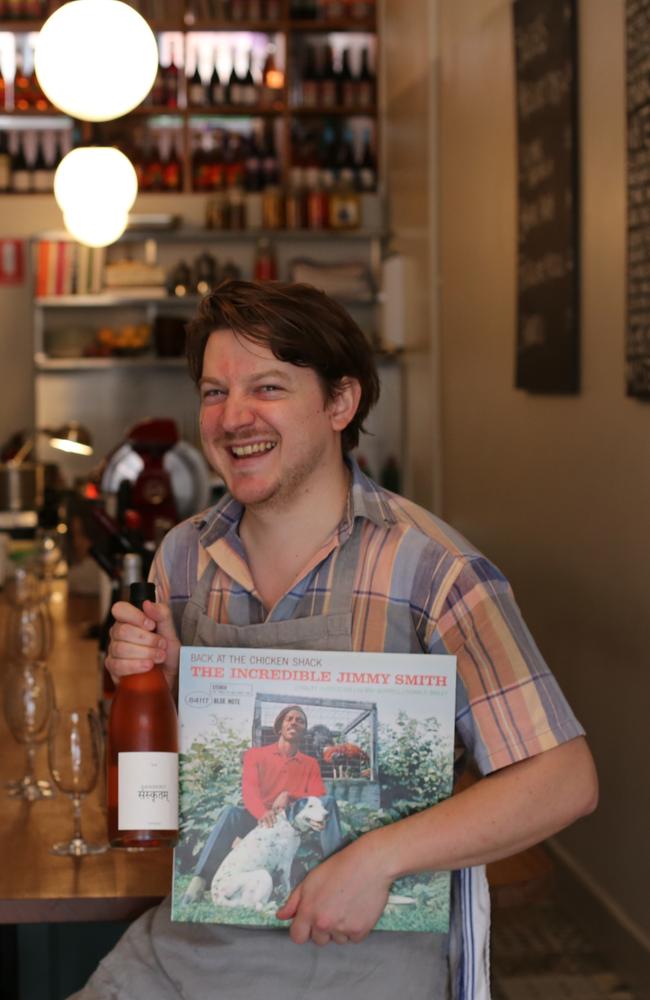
x,y
96,59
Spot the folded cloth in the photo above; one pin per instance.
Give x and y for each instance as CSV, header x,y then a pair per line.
x,y
351,280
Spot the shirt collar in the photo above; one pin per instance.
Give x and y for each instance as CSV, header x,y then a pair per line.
x,y
366,500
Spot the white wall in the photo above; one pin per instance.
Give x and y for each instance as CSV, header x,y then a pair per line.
x,y
555,490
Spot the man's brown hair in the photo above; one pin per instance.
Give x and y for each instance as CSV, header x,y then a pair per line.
x,y
298,324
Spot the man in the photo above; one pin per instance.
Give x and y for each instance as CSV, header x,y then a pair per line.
x,y
275,778
305,551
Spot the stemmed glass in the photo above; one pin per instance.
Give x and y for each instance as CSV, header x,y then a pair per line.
x,y
28,634
28,703
74,754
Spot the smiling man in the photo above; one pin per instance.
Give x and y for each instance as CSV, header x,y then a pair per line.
x,y
304,551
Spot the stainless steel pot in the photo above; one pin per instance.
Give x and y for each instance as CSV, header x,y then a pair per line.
x,y
21,486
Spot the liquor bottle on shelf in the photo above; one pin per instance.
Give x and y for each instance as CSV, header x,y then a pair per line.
x,y
3,90
236,10
215,164
367,167
332,10
265,268
272,81
358,10
344,208
172,169
328,88
310,84
216,87
199,165
37,98
153,169
21,175
365,83
22,91
295,207
317,201
304,10
143,756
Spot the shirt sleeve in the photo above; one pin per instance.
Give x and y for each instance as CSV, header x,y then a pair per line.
x,y
508,704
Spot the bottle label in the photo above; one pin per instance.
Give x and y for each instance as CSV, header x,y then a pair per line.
x,y
148,791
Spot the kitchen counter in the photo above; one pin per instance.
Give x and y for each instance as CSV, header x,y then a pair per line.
x,y
36,886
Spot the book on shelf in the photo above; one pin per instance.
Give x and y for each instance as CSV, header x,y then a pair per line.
x,y
63,267
366,739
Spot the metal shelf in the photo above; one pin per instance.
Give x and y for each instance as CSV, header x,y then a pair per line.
x,y
43,363
202,235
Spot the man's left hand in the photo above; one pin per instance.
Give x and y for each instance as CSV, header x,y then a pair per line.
x,y
340,900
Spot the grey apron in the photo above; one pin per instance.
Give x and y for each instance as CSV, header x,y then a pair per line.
x,y
160,960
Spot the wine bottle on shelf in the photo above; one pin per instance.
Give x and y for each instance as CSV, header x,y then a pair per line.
x,y
345,81
196,92
5,163
248,89
143,756
272,81
328,89
234,81
42,175
156,96
22,97
367,167
365,83
170,83
216,87
21,175
265,266
310,79
172,169
295,207
3,90
153,169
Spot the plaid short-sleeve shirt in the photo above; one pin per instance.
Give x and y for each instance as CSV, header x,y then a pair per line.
x,y
418,585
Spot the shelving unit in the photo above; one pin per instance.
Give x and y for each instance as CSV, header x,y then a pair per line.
x,y
108,394
185,127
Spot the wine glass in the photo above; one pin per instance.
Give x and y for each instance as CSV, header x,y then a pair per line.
x,y
74,753
28,703
28,634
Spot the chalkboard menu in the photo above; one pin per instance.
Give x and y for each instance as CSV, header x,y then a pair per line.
x,y
637,335
545,33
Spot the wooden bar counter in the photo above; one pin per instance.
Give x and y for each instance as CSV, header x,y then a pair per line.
x,y
36,886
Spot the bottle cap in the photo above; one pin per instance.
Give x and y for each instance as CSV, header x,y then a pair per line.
x,y
140,592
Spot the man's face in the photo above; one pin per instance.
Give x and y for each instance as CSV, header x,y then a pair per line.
x,y
265,424
293,726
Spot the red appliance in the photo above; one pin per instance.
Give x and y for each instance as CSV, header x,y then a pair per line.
x,y
151,494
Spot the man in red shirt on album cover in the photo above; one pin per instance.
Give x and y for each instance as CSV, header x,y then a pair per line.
x,y
275,778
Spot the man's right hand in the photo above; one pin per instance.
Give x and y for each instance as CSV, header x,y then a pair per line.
x,y
140,639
